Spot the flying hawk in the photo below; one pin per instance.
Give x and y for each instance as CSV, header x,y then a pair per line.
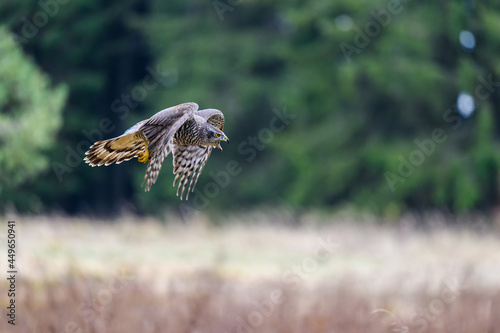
x,y
189,133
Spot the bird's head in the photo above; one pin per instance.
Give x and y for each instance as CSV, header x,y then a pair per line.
x,y
214,136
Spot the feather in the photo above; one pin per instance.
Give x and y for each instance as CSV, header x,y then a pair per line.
x,y
116,150
188,163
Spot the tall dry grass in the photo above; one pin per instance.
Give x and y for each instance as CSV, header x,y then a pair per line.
x,y
206,302
254,274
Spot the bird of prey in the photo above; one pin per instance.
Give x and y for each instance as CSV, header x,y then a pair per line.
x,y
183,130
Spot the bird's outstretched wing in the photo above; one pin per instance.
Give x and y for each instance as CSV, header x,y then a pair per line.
x,y
116,150
167,122
188,163
159,131
213,117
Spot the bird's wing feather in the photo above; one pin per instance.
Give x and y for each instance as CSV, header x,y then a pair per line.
x,y
213,117
160,130
157,127
116,150
188,163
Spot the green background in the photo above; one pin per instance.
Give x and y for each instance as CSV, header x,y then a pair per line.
x,y
370,89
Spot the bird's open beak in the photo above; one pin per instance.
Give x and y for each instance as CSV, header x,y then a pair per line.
x,y
225,138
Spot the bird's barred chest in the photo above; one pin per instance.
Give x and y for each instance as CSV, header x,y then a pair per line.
x,y
188,134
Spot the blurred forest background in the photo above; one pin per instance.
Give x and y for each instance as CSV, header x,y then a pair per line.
x,y
341,114
386,106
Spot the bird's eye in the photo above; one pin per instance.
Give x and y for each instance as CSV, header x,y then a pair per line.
x,y
217,135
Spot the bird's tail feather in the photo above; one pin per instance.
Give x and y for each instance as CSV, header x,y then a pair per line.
x,y
116,150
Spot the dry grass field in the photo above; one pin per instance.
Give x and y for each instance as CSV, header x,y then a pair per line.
x,y
252,274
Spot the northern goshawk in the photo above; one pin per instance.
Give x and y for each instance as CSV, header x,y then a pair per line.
x,y
189,133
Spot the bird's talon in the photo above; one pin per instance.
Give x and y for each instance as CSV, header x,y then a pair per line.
x,y
144,157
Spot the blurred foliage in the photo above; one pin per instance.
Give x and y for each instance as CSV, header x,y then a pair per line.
x,y
31,115
371,88
87,45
